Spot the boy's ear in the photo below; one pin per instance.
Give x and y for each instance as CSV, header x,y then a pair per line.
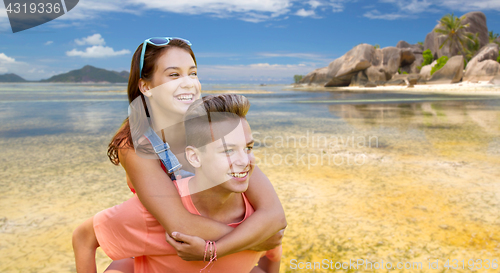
x,y
144,87
192,156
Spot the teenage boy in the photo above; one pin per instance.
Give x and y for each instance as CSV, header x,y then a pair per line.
x,y
219,147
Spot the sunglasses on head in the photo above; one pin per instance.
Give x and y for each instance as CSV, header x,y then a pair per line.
x,y
157,41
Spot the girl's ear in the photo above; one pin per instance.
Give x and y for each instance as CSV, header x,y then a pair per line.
x,y
192,156
144,87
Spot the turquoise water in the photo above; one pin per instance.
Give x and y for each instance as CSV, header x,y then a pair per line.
x,y
46,109
428,189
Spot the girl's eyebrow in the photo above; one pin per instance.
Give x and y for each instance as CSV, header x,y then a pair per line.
x,y
178,68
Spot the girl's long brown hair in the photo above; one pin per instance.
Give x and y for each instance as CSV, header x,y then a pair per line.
x,y
123,138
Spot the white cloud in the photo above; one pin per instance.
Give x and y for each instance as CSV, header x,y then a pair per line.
x,y
4,19
5,59
8,64
305,13
49,42
95,39
216,6
311,56
375,14
97,52
413,7
416,6
247,10
314,4
216,55
337,6
29,71
463,5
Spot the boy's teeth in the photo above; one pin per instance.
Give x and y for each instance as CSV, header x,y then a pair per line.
x,y
239,175
185,97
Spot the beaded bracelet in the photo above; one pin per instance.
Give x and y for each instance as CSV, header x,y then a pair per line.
x,y
212,249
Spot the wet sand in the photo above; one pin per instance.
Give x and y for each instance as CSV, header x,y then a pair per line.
x,y
410,201
426,188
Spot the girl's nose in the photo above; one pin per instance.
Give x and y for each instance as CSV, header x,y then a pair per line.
x,y
241,158
187,82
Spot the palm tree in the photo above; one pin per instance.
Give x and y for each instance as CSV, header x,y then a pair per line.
x,y
492,37
455,32
472,47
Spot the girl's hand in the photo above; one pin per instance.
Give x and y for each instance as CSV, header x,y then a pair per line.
x,y
189,248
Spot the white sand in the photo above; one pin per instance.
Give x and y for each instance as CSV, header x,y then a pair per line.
x,y
462,88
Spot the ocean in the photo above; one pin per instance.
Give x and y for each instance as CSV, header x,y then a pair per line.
x,y
369,175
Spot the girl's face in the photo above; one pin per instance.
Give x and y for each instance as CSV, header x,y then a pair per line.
x,y
175,83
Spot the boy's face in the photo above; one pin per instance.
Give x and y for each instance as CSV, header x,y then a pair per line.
x,y
229,162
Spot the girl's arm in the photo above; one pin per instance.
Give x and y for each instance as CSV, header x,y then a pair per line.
x,y
159,195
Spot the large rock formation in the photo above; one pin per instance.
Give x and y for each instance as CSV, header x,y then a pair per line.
x,y
404,79
484,66
341,70
407,65
385,63
451,72
392,58
359,79
497,40
316,77
425,72
477,24
495,80
379,65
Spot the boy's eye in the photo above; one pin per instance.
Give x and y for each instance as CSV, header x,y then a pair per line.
x,y
249,148
228,151
194,73
174,75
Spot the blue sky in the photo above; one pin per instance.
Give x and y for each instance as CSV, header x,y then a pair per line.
x,y
260,41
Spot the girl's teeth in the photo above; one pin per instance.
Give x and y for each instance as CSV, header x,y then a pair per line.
x,y
185,97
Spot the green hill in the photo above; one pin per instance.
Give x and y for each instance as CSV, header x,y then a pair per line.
x,y
90,74
11,78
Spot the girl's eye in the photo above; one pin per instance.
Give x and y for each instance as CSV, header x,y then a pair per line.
x,y
249,149
194,74
174,75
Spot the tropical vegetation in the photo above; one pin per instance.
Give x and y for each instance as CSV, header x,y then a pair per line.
x,y
492,36
297,78
472,47
428,58
440,63
453,28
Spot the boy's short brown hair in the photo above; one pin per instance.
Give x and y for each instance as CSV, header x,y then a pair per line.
x,y
204,117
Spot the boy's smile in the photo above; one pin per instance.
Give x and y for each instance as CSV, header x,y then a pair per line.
x,y
227,163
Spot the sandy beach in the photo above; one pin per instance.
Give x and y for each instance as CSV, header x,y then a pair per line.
x,y
388,182
462,88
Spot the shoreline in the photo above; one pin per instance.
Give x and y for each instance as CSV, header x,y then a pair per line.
x,y
461,88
